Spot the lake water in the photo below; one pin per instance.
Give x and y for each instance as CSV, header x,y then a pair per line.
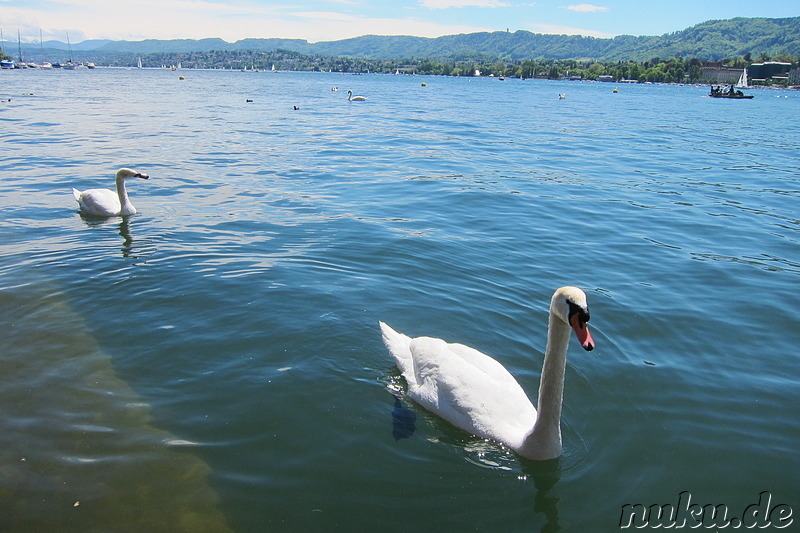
x,y
214,362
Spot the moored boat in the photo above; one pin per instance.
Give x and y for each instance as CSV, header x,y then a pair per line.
x,y
69,65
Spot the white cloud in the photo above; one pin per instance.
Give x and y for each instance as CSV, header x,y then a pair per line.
x,y
138,19
195,19
334,26
445,4
587,8
325,16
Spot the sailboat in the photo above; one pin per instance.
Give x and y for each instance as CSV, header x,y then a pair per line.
x,y
69,65
21,64
46,65
5,63
742,83
139,64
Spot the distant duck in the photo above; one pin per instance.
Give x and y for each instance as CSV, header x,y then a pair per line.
x,y
352,98
562,96
105,202
295,108
334,89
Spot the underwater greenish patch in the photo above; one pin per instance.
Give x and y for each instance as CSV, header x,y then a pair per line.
x,y
78,451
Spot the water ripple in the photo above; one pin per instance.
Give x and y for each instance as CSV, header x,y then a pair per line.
x,y
223,342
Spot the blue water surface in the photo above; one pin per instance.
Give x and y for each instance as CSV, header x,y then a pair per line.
x,y
214,363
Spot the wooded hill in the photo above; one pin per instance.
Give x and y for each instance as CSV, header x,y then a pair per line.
x,y
710,41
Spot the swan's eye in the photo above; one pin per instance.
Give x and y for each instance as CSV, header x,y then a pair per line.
x,y
583,313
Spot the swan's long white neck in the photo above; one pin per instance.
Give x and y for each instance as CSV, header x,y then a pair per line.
x,y
126,207
544,440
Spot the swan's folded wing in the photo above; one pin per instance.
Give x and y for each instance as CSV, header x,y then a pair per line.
x,y
471,391
479,360
430,364
100,201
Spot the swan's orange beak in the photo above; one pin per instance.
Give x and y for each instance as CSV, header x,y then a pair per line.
x,y
582,332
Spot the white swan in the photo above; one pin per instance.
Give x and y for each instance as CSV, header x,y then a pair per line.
x,y
352,98
476,393
107,203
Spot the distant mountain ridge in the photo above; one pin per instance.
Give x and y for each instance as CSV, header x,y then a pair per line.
x,y
711,40
90,44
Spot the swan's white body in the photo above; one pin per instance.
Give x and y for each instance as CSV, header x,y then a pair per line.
x,y
476,393
352,98
105,202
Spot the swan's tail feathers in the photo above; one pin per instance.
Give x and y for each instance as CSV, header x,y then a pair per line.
x,y
77,194
399,346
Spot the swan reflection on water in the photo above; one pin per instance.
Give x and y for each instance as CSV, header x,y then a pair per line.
x,y
124,229
404,420
545,476
127,240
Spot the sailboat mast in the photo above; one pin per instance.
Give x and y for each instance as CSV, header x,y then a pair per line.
x,y
19,44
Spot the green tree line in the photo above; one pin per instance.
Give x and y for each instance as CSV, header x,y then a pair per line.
x,y
673,70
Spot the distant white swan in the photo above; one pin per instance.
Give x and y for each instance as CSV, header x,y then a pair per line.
x,y
352,98
476,393
107,203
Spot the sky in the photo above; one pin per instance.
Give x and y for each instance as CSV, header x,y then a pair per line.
x,y
329,20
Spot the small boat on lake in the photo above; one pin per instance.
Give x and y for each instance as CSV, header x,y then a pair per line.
x,y
69,65
719,92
